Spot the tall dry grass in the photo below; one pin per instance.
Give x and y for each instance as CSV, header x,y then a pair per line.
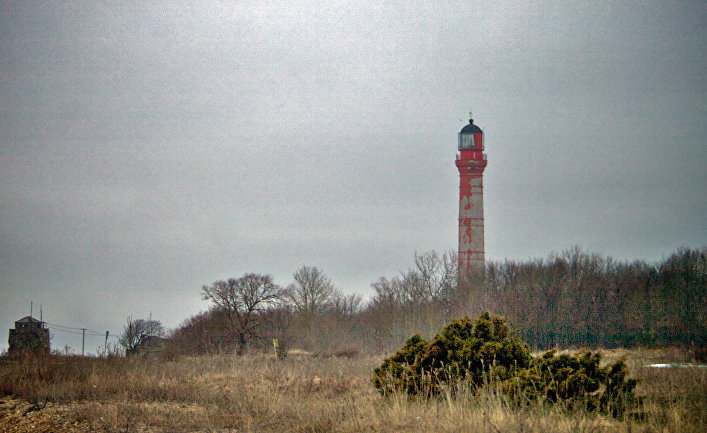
x,y
303,393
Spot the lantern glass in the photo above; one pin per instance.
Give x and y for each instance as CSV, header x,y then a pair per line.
x,y
466,141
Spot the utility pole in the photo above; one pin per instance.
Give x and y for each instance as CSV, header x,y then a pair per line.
x,y
83,339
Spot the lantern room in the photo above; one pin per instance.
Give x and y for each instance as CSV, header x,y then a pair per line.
x,y
471,143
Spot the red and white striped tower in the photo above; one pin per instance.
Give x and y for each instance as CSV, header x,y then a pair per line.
x,y
471,162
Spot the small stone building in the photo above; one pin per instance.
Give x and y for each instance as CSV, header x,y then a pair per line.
x,y
29,335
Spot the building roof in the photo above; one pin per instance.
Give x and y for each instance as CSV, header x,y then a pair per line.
x,y
28,319
470,127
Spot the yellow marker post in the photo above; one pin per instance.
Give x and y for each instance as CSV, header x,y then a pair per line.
x,y
276,346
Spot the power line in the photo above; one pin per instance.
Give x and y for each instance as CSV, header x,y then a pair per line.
x,y
71,327
80,333
62,326
75,331
64,330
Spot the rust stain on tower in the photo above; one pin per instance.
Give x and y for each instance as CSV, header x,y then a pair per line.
x,y
471,162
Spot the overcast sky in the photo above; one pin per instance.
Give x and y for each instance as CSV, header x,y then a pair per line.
x,y
147,150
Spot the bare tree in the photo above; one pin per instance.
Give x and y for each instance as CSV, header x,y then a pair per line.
x,y
312,292
242,300
437,275
398,291
346,305
434,278
135,332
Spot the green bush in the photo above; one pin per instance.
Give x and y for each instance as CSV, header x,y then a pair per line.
x,y
578,381
400,371
484,352
463,352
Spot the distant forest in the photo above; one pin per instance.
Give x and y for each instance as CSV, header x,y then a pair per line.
x,y
569,299
578,299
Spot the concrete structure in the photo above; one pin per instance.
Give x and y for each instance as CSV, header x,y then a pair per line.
x,y
471,162
29,335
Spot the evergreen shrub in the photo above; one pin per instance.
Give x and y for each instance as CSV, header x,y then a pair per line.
x,y
474,355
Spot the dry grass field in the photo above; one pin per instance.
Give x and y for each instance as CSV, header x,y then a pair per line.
x,y
306,393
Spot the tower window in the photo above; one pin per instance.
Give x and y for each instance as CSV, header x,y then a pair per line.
x,y
466,141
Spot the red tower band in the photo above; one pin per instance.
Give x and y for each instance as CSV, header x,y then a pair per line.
x,y
471,162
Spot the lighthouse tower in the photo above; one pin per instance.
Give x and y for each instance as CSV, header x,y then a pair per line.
x,y
471,162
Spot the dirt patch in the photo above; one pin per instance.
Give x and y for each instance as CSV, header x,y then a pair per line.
x,y
19,416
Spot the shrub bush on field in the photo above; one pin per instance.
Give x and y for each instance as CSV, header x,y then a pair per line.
x,y
463,351
478,354
578,381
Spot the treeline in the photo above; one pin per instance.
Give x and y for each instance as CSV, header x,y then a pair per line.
x,y
573,298
580,299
